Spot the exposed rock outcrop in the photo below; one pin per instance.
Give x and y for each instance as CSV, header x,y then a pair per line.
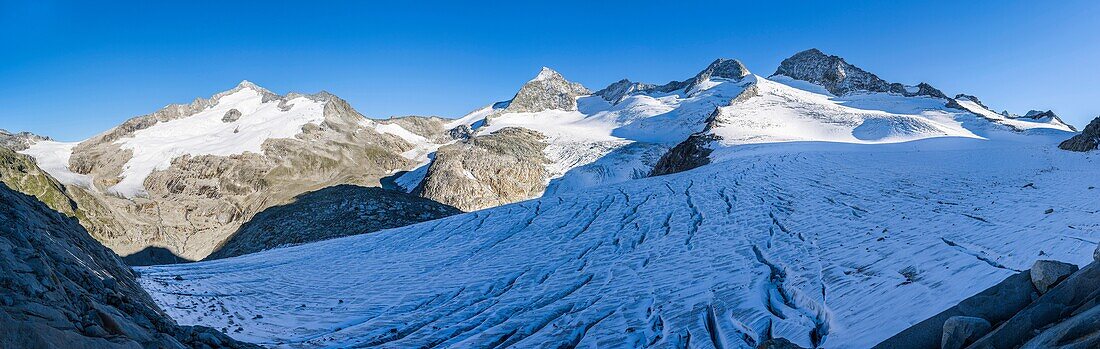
x,y
231,115
689,154
59,288
488,170
20,172
332,212
1067,315
547,91
1087,140
841,78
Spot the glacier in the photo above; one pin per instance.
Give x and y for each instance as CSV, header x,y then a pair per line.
x,y
827,244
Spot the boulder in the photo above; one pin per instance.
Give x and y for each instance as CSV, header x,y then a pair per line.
x,y
1045,274
231,115
958,331
1055,309
995,304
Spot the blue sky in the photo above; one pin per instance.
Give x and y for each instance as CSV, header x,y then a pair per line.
x,y
71,70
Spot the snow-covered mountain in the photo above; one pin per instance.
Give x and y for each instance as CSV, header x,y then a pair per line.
x,y
821,204
187,176
622,132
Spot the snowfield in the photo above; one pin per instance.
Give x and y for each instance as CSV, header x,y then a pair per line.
x,y
837,245
205,133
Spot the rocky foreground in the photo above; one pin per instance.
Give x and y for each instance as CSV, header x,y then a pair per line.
x,y
59,288
1052,305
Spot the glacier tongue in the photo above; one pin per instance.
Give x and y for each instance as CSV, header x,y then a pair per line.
x,y
834,244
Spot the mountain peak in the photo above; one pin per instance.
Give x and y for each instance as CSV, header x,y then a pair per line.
x,y
548,74
548,90
841,78
723,68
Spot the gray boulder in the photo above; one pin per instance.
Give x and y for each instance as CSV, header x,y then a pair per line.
x,y
958,331
1087,140
1058,308
231,115
1045,274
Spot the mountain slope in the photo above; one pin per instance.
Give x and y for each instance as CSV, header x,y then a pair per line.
x,y
834,244
330,213
59,288
187,176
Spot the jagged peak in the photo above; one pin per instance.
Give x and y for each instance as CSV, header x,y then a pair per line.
x,y
970,98
723,68
548,74
548,90
840,77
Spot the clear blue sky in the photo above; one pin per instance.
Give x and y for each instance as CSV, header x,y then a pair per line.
x,y
73,69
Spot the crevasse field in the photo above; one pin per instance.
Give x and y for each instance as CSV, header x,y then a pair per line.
x,y
839,245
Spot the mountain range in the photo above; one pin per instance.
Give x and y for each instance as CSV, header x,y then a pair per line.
x,y
820,204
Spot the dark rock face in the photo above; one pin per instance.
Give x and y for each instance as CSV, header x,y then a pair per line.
x,y
691,153
59,288
332,212
1087,140
841,78
153,256
1066,316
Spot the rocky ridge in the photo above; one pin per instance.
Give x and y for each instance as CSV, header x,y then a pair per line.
x,y
1087,140
328,213
841,78
19,141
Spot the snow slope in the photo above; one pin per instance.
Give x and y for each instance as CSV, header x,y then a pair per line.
x,y
781,112
205,133
1016,123
838,244
53,157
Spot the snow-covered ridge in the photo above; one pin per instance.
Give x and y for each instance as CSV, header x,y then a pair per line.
x,y
212,132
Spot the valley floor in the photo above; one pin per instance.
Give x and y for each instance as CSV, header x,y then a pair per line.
x,y
838,245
